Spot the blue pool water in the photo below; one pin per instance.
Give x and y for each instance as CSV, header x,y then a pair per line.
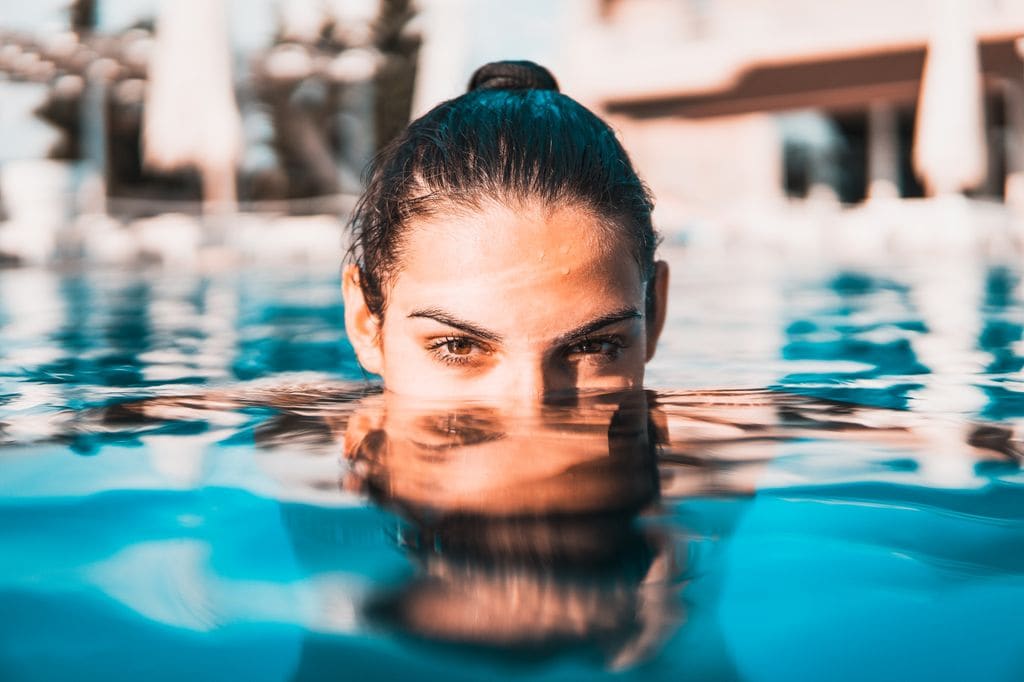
x,y
822,483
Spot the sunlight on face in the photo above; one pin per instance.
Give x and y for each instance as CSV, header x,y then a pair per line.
x,y
511,303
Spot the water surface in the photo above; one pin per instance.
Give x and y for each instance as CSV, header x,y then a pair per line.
x,y
823,482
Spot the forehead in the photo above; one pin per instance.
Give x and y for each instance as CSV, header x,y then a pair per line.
x,y
499,263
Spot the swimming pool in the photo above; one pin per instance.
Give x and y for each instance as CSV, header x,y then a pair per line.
x,y
824,484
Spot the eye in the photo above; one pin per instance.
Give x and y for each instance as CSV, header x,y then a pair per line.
x,y
456,350
591,346
602,348
459,346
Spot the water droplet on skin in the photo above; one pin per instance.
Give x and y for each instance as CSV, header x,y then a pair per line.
x,y
565,271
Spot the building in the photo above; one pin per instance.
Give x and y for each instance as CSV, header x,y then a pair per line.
x,y
759,100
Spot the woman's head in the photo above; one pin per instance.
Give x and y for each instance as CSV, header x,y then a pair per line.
x,y
504,244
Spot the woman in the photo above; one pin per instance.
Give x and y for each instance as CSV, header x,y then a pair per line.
x,y
504,248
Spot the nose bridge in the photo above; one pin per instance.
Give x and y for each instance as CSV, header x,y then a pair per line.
x,y
528,380
523,381
534,378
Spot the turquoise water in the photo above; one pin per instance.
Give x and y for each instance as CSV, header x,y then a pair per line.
x,y
822,483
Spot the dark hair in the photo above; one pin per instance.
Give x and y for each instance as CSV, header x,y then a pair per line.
x,y
513,137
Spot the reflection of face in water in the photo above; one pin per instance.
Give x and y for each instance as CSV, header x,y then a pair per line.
x,y
524,526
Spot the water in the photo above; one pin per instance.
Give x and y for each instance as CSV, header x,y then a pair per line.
x,y
823,483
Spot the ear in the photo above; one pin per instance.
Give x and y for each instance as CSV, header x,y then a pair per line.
x,y
366,419
361,325
656,322
360,449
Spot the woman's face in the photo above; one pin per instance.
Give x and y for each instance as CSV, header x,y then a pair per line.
x,y
511,304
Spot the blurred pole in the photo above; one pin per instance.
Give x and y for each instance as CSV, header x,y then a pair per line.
x,y
1013,98
441,70
354,70
83,16
93,193
190,116
883,152
949,143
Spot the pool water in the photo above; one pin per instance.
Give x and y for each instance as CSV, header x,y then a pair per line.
x,y
822,482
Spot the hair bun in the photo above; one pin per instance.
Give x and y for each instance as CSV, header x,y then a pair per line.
x,y
512,75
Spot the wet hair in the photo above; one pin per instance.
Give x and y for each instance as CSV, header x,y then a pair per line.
x,y
513,138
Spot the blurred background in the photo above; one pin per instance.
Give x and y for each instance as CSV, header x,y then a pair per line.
x,y
198,131
840,185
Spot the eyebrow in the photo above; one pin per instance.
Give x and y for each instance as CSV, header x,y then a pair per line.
x,y
589,328
583,330
445,318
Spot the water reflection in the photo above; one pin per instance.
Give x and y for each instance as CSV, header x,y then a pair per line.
x,y
865,330
524,527
1002,329
311,523
623,531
